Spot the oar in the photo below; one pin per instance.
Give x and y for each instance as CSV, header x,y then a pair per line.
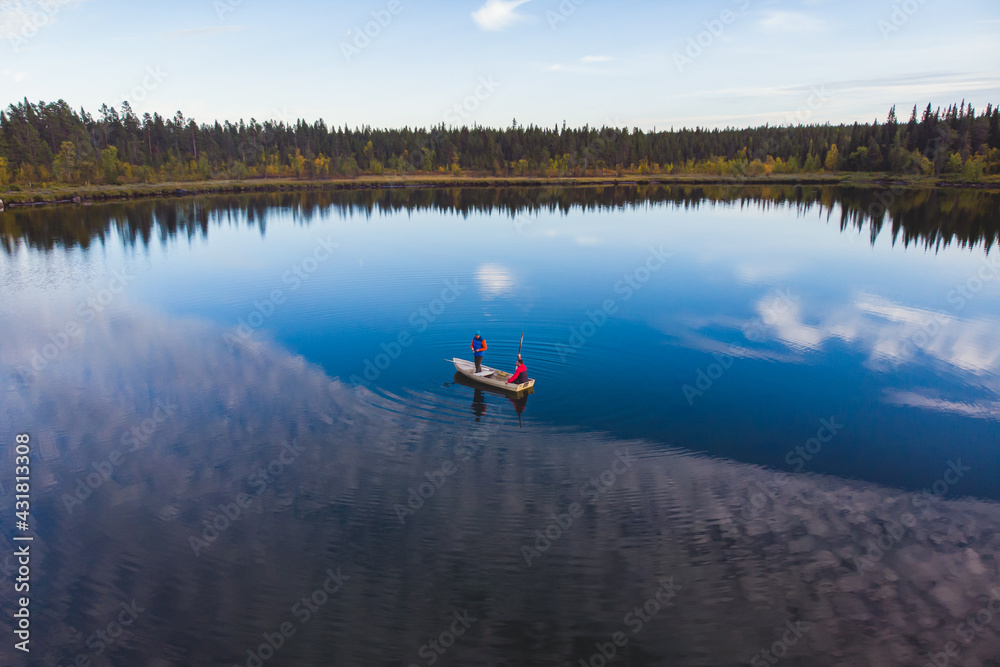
x,y
519,348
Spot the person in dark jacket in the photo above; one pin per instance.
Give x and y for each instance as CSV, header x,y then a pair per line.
x,y
520,373
478,346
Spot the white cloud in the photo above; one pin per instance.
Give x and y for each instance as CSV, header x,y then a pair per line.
x,y
24,18
580,69
762,274
976,410
494,280
890,333
498,14
779,21
201,32
596,59
20,76
788,325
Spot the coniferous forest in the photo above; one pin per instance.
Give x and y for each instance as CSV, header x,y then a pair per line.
x,y
47,143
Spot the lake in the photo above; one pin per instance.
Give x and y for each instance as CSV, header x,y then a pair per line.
x,y
764,427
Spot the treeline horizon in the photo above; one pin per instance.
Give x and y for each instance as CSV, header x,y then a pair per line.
x,y
47,143
931,218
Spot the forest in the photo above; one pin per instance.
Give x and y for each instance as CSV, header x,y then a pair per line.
x,y
51,143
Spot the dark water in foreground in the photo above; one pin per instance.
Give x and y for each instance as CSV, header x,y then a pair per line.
x,y
741,396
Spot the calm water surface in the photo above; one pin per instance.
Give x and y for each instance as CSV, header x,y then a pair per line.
x,y
753,407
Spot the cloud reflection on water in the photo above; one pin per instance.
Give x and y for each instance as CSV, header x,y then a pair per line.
x,y
750,553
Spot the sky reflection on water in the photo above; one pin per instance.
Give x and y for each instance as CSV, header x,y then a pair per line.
x,y
267,477
862,369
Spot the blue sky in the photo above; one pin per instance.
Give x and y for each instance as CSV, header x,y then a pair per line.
x,y
626,63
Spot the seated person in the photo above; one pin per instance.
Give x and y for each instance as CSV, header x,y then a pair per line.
x,y
520,373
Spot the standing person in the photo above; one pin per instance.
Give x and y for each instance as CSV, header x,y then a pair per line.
x,y
478,346
520,373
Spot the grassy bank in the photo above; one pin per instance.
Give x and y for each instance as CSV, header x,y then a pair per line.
x,y
56,194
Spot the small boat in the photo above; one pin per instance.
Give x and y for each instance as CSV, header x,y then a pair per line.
x,y
463,379
491,377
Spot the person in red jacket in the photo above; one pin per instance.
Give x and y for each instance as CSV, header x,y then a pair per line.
x,y
520,373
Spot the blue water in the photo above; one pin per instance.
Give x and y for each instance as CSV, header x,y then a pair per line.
x,y
810,321
724,339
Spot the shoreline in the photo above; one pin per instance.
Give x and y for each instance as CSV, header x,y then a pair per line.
x,y
89,194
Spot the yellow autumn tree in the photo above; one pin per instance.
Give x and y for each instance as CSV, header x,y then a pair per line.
x,y
832,158
298,163
111,166
64,165
321,166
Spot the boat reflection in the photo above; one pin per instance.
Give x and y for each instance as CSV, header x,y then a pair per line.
x,y
479,400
